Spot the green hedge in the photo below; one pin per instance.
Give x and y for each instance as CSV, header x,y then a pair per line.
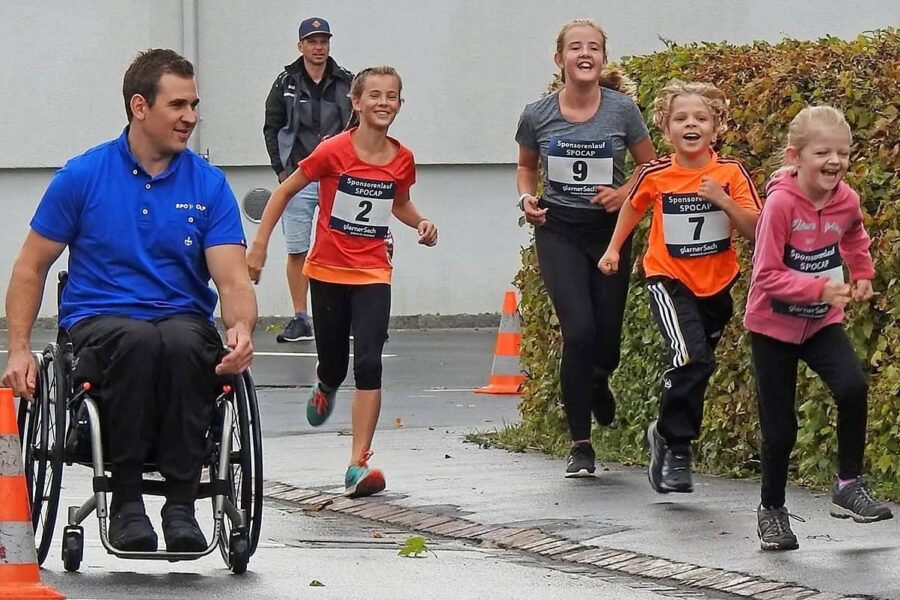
x,y
767,85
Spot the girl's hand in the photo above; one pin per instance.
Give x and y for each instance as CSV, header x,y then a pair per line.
x,y
428,233
610,199
534,215
609,262
836,294
712,190
862,290
256,260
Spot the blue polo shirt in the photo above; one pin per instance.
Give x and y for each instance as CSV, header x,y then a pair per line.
x,y
136,243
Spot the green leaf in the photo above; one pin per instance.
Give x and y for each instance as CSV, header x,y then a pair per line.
x,y
316,583
413,547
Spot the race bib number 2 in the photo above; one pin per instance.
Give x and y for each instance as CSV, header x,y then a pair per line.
x,y
362,207
577,167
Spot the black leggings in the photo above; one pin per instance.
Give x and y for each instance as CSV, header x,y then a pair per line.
x,y
337,308
590,307
830,354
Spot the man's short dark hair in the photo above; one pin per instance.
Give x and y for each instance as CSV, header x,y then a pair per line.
x,y
143,76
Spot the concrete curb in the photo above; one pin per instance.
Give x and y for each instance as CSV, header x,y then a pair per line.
x,y
532,540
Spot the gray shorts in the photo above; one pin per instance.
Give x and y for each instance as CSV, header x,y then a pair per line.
x,y
297,219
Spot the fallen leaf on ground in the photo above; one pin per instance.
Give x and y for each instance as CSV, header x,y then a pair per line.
x,y
413,547
316,583
377,534
398,422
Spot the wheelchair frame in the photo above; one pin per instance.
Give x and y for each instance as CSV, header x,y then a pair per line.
x,y
235,466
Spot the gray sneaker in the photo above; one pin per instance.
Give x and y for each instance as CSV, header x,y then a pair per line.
x,y
297,330
855,502
774,529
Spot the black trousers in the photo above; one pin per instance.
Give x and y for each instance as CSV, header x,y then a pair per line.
x,y
339,309
830,355
692,327
156,397
590,307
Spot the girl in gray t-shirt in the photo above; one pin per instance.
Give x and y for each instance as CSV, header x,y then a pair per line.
x,y
578,136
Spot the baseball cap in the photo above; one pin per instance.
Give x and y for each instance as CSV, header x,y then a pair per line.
x,y
314,25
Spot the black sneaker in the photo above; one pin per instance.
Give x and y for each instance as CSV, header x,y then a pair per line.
x,y
604,406
657,454
297,330
130,529
581,461
676,472
180,528
774,529
855,501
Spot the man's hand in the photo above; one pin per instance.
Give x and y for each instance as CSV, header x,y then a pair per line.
x,y
21,374
282,176
836,294
240,340
428,233
534,215
610,199
256,260
862,290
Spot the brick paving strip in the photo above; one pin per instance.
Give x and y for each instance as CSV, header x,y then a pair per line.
x,y
534,541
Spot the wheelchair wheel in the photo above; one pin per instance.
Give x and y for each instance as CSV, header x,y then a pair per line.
x,y
245,477
42,427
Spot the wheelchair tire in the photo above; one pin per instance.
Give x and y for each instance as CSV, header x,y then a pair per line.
x,y
42,426
72,548
245,478
238,552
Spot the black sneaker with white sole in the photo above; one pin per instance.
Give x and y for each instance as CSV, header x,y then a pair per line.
x,y
855,502
581,461
774,529
297,330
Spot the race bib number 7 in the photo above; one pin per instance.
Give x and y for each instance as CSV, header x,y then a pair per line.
x,y
362,207
693,226
577,167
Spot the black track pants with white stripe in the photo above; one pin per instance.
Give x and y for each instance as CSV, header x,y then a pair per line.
x,y
691,327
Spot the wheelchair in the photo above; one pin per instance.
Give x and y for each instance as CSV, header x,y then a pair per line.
x,y
62,427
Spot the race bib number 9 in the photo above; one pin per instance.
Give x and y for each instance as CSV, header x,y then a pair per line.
x,y
693,226
823,262
362,207
577,167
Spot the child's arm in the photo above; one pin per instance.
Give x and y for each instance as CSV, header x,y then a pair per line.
x,y
407,213
629,216
769,271
855,251
740,208
256,257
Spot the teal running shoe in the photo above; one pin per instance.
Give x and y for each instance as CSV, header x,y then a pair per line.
x,y
363,480
320,405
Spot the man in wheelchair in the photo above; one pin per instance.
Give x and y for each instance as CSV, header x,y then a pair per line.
x,y
147,223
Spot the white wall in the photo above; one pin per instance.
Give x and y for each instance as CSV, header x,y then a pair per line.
x,y
469,66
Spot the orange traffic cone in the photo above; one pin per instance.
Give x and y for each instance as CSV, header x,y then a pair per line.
x,y
20,577
506,372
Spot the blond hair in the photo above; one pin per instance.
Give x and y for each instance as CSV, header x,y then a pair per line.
x,y
610,77
807,123
713,98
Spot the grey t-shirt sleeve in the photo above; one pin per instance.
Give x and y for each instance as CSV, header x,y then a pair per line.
x,y
635,127
525,134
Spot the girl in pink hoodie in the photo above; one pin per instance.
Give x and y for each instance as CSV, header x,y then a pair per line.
x,y
811,225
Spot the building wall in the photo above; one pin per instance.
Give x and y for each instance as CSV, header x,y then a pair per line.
x,y
468,67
